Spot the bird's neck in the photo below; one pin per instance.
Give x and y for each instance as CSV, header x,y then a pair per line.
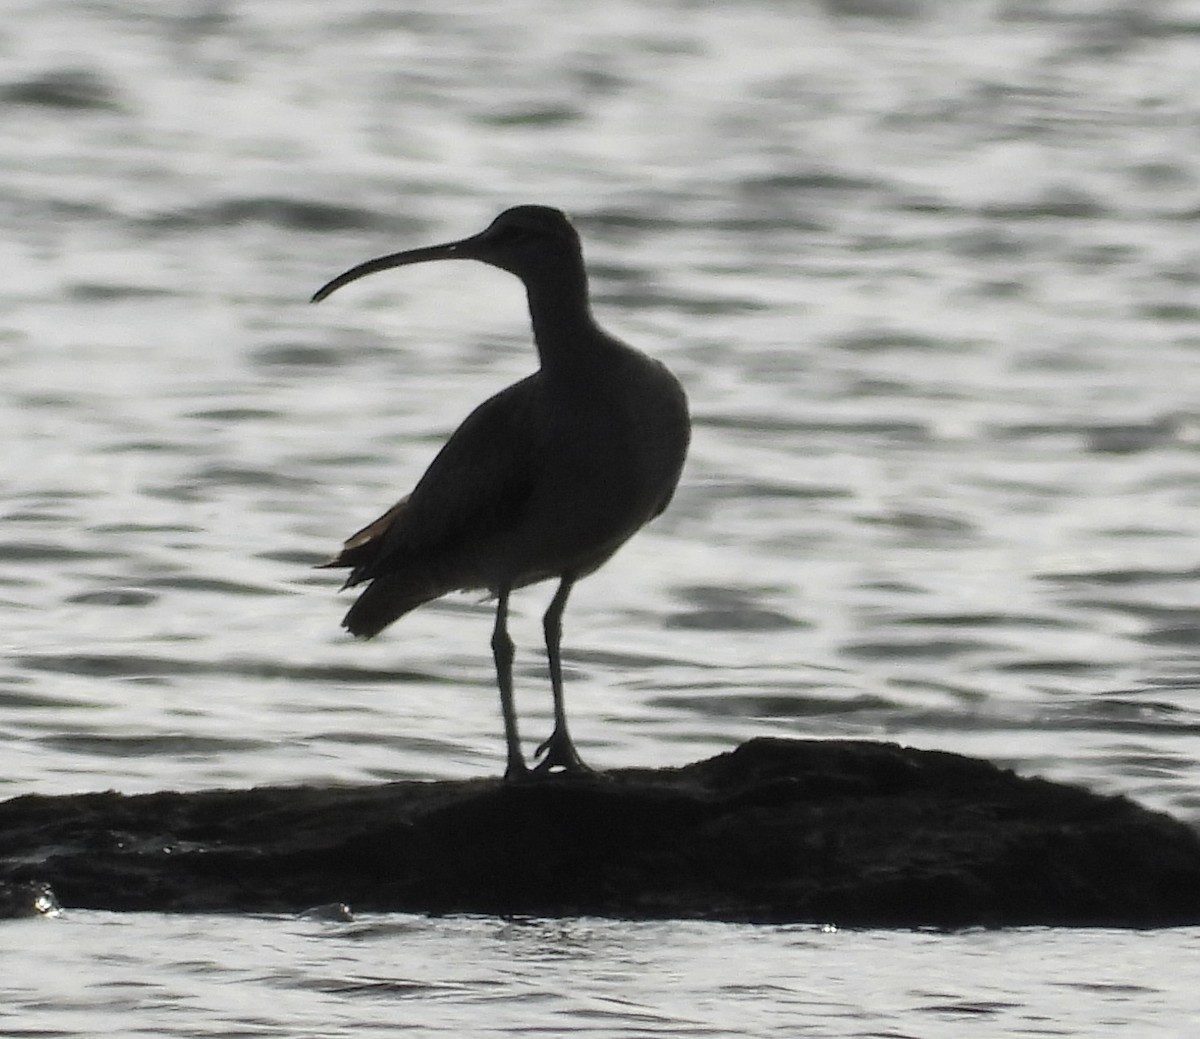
x,y
563,327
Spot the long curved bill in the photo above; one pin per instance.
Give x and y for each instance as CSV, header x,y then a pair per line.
x,y
459,250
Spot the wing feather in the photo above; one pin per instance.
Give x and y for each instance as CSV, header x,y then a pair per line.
x,y
477,486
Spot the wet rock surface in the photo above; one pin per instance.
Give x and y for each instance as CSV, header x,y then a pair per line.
x,y
845,832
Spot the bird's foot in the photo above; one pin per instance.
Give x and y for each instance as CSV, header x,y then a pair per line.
x,y
560,755
516,771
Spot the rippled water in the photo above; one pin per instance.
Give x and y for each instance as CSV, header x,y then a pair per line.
x,y
928,271
485,977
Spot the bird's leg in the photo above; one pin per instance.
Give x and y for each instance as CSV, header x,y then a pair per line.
x,y
558,749
502,651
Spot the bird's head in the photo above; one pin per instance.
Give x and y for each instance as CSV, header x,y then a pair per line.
x,y
523,240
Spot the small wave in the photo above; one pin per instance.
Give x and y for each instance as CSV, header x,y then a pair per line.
x,y
149,745
539,115
233,414
744,618
728,609
249,476
889,340
918,649
298,355
1052,666
1124,576
291,214
186,583
800,704
99,665
68,89
984,620
104,292
41,553
114,597
775,423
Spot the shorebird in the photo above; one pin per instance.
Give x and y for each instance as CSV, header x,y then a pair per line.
x,y
547,479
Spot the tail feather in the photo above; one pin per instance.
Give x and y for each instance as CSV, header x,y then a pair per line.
x,y
397,578
385,600
361,552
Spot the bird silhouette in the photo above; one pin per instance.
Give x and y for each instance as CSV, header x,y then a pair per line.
x,y
546,479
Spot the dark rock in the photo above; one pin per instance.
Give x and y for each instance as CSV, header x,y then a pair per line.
x,y
851,833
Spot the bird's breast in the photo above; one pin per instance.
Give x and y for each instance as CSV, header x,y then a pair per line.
x,y
614,446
